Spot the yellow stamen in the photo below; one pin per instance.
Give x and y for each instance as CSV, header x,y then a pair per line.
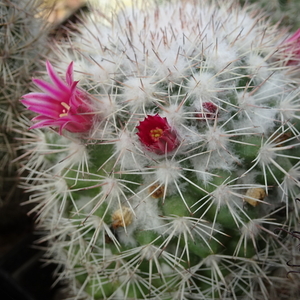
x,y
67,107
156,133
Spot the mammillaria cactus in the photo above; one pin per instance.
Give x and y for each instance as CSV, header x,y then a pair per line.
x,y
163,159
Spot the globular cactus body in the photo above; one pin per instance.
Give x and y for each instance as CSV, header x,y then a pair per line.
x,y
165,167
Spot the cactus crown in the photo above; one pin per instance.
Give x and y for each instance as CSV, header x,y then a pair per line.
x,y
188,118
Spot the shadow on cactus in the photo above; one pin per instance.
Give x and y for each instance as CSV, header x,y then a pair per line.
x,y
162,162
22,42
295,234
23,39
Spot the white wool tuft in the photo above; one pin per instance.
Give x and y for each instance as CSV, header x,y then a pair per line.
x,y
203,86
139,92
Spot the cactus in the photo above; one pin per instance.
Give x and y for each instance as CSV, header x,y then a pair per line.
x,y
164,151
22,43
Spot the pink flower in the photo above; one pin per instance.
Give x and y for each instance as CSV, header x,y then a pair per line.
x,y
156,134
292,48
61,104
209,111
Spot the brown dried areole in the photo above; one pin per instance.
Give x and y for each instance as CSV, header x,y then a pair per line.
x,y
156,190
122,217
253,195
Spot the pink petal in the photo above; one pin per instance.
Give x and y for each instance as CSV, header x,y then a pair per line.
x,y
50,89
294,37
69,74
77,104
62,127
47,122
44,108
35,102
45,111
73,85
41,118
55,78
40,97
44,123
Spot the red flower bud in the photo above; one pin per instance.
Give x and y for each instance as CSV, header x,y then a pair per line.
x,y
156,134
292,48
209,111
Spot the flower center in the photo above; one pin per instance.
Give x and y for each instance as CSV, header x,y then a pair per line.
x,y
156,133
65,110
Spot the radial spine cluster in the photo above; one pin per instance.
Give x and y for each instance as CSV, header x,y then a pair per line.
x,y
185,158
